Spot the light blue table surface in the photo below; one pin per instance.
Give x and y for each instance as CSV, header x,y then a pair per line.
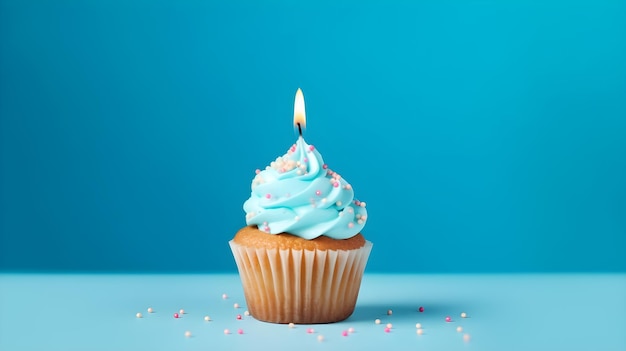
x,y
505,312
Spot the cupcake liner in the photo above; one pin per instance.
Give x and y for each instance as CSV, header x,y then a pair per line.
x,y
300,286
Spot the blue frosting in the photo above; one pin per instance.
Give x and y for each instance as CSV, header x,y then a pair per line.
x,y
299,195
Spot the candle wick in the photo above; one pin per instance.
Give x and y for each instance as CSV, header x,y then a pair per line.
x,y
299,128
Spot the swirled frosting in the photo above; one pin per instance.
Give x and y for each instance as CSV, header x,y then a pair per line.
x,y
299,195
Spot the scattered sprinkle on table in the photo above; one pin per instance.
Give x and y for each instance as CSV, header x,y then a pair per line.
x,y
236,305
224,296
389,325
463,314
291,325
176,315
459,329
239,331
150,310
226,331
448,319
418,326
138,315
466,337
421,309
187,334
181,311
420,331
310,330
246,313
207,318
389,312
377,321
320,338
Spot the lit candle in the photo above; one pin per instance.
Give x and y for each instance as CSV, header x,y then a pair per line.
x,y
299,115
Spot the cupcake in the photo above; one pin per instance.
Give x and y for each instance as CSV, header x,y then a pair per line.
x,y
301,256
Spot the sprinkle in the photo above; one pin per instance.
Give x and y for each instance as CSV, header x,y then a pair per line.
x,y
267,196
310,330
377,321
362,204
459,329
224,296
150,310
336,184
389,312
324,200
463,315
420,331
344,333
187,334
350,330
226,331
246,313
207,318
291,325
236,305
311,147
266,228
347,187
299,172
138,315
306,159
357,202
389,325
418,326
296,218
318,193
239,317
181,311
320,338
176,315
324,166
240,331
387,330
360,221
448,319
350,225
421,309
466,337
338,203
257,171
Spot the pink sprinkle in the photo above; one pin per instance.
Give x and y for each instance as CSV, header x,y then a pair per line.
x,y
306,159
421,309
350,225
239,331
257,171
311,148
336,185
344,333
267,196
387,329
357,202
310,330
226,331
266,228
448,319
318,193
293,148
239,316
324,166
175,315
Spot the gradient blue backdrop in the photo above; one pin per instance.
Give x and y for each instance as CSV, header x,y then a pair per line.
x,y
485,136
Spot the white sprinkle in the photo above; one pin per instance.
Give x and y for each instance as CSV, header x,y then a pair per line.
x,y
418,326
320,338
207,318
389,313
420,331
181,311
138,315
466,337
459,329
236,305
246,313
324,200
224,296
350,330
463,314
150,310
338,203
291,325
226,331
377,321
363,204
187,334
389,325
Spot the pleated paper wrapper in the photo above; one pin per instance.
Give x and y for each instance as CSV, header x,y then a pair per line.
x,y
300,286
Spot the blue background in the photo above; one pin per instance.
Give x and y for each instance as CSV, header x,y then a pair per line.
x,y
484,136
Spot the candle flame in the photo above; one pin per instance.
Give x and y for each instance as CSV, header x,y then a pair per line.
x,y
299,116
